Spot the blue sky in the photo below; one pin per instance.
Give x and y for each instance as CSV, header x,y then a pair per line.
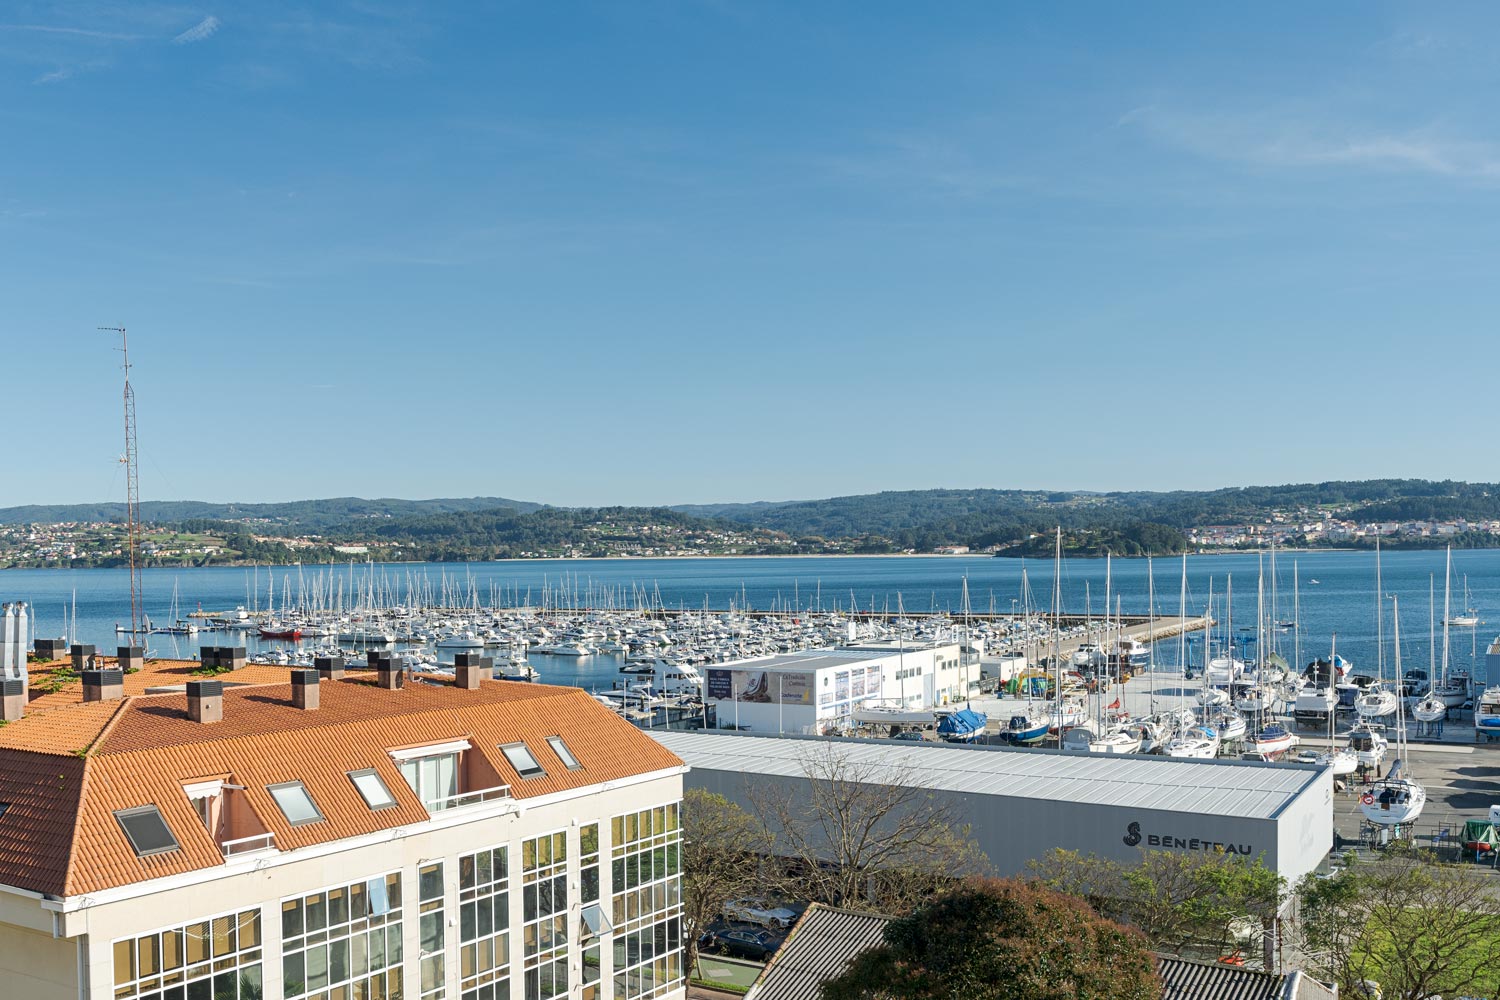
x,y
677,252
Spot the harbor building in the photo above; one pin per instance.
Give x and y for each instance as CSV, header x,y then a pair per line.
x,y
821,691
365,835
1023,803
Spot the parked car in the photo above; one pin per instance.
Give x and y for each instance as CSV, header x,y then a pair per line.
x,y
754,945
758,911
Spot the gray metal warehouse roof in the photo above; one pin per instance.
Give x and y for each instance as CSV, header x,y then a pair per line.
x,y
811,659
1223,788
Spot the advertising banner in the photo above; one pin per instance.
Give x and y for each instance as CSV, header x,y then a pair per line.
x,y
760,686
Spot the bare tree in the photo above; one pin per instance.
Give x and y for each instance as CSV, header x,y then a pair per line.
x,y
723,849
861,838
1416,927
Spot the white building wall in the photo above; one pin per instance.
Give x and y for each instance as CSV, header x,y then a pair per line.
x,y
266,880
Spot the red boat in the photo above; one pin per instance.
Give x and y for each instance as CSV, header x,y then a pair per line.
x,y
280,633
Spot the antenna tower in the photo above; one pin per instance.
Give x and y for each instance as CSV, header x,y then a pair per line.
x,y
132,491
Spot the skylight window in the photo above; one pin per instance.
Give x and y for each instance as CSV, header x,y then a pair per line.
x,y
294,802
146,830
563,753
521,759
372,789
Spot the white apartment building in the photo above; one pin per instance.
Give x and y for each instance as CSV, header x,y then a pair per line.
x,y
360,837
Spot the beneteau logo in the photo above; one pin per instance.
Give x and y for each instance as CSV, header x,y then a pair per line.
x,y
1133,837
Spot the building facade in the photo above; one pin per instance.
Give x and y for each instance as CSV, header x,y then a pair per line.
x,y
418,841
819,691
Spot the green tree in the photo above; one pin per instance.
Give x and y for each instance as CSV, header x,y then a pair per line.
x,y
1002,939
1176,899
1416,927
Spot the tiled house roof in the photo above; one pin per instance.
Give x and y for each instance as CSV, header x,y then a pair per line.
x,y
66,772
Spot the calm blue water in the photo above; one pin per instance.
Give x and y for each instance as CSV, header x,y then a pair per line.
x,y
1342,600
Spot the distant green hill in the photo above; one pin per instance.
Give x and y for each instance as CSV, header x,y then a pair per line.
x,y
303,515
921,520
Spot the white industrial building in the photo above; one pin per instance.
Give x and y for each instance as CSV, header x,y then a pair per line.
x,y
822,691
1023,803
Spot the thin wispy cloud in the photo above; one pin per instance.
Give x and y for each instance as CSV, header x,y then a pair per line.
x,y
56,76
198,32
1290,140
52,29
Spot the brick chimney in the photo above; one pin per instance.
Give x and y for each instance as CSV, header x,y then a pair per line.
x,y
130,658
83,657
469,669
206,701
330,668
12,699
103,685
305,689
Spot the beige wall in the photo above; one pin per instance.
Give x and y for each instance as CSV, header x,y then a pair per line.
x,y
289,875
37,966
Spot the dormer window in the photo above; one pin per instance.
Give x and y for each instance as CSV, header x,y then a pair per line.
x,y
146,830
432,772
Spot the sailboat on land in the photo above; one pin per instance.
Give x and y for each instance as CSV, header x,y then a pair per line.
x,y
1397,798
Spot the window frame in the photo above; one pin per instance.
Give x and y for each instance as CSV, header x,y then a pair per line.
x,y
353,776
535,771
301,785
149,809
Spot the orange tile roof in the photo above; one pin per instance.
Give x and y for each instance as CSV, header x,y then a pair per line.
x,y
154,673
74,766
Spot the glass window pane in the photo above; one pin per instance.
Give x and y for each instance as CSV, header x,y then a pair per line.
x,y
295,803
430,883
224,936
124,961
372,789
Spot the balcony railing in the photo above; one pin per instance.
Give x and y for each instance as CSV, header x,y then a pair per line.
x,y
467,798
246,845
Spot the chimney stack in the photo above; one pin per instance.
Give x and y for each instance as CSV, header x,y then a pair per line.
x,y
330,668
390,675
12,699
305,689
83,657
102,685
130,658
469,669
206,701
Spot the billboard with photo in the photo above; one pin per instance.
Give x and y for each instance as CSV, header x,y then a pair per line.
x,y
768,687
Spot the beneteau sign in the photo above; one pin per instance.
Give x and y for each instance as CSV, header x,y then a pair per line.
x,y
1134,837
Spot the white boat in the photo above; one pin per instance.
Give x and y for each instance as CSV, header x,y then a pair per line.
x,y
1431,708
1396,799
1080,736
1376,703
1487,713
1368,744
1342,760
459,642
1466,620
1065,715
1230,726
1210,697
1252,699
566,649
1197,742
1117,739
1223,671
1273,740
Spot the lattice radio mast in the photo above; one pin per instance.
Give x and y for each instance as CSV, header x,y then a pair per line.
x,y
132,491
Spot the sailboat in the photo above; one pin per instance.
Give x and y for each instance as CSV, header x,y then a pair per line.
x,y
1451,691
1430,708
1469,618
1395,799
